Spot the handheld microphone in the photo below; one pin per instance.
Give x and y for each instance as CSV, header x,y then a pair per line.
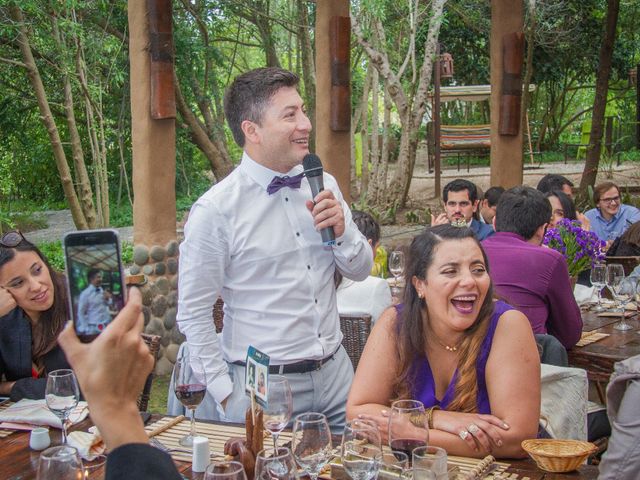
x,y
313,171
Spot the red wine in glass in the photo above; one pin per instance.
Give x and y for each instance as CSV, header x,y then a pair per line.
x,y
191,395
406,445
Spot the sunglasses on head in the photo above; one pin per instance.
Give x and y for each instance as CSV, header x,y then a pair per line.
x,y
12,239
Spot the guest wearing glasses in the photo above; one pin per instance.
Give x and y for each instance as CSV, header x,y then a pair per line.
x,y
33,311
471,360
611,217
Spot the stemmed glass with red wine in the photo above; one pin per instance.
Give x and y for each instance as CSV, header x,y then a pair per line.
x,y
407,426
190,387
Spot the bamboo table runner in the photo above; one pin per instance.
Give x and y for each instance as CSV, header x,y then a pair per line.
x,y
217,434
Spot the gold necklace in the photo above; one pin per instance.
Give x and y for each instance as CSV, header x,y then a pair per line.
x,y
448,348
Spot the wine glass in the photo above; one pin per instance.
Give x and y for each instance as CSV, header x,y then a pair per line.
x,y
62,395
311,443
62,463
396,264
280,466
429,463
361,449
407,428
190,388
598,279
277,413
225,471
615,282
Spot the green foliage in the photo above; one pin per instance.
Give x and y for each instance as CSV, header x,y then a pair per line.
x,y
54,253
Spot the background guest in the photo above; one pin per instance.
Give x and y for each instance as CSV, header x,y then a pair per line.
x,y
451,346
561,207
553,181
611,218
33,303
628,244
489,203
372,295
460,199
533,279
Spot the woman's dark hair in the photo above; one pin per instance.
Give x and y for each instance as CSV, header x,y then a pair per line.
x,y
414,320
568,207
44,333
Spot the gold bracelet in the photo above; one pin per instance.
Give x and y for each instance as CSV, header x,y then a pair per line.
x,y
430,416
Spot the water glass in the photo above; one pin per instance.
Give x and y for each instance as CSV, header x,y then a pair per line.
x,y
361,449
95,469
395,464
598,278
62,463
618,286
311,443
62,395
430,459
225,471
396,264
280,466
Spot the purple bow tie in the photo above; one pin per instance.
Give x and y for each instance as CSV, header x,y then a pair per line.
x,y
278,182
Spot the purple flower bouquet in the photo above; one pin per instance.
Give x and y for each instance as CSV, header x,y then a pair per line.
x,y
580,248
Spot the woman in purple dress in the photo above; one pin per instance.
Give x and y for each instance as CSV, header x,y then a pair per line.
x,y
471,360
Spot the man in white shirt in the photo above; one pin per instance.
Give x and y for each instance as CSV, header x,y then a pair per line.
x,y
259,247
93,305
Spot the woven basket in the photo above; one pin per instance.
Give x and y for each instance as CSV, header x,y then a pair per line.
x,y
558,455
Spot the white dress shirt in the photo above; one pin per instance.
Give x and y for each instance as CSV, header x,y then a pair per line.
x,y
93,308
262,254
371,296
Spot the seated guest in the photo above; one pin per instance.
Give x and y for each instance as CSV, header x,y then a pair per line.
x,y
33,311
561,207
451,346
111,372
553,181
489,203
460,199
533,279
372,295
611,218
628,244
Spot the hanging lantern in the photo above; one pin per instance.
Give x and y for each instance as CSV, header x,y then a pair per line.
x,y
446,65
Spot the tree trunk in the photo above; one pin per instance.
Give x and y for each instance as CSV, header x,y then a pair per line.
x,y
600,101
82,181
47,119
308,67
220,162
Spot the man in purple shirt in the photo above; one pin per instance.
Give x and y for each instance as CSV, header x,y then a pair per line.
x,y
532,278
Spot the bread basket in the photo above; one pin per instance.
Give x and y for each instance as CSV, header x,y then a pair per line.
x,y
558,455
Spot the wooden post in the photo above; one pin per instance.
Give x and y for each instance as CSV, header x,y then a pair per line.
x,y
506,150
638,106
153,142
332,146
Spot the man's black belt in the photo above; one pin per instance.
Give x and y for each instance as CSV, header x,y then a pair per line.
x,y
303,366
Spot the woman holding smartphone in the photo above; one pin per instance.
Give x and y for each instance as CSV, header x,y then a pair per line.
x,y
33,311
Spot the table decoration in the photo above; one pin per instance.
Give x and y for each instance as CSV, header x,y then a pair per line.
x,y
580,248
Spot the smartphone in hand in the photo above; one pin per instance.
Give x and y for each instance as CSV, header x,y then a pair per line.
x,y
95,280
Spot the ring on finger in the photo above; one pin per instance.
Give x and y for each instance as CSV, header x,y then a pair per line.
x,y
473,429
463,434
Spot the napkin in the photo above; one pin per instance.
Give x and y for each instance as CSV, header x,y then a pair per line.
x,y
89,444
36,412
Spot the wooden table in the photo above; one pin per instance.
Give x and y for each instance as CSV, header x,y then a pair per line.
x,y
598,358
18,462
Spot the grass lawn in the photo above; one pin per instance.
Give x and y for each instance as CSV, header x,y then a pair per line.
x,y
159,391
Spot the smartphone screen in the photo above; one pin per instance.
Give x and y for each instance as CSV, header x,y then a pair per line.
x,y
95,279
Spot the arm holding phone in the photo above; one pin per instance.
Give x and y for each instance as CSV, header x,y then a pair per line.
x,y
111,372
